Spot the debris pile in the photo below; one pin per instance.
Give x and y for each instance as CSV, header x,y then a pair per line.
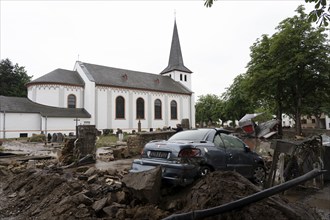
x,y
87,193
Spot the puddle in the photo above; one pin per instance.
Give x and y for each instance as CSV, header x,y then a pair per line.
x,y
121,164
31,149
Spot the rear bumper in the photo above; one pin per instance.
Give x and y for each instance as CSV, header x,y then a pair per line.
x,y
175,173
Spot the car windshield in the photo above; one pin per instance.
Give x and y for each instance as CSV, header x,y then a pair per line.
x,y
192,135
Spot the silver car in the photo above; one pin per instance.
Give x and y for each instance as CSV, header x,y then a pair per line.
x,y
190,154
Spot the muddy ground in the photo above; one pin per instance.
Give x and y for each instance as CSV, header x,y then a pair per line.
x,y
43,189
53,193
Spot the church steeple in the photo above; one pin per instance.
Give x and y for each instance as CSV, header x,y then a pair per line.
x,y
175,61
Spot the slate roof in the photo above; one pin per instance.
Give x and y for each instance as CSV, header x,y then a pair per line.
x,y
175,61
60,76
24,105
109,76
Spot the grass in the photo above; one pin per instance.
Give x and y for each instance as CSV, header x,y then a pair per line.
x,y
104,141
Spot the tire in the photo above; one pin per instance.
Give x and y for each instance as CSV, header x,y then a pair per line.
x,y
204,170
259,175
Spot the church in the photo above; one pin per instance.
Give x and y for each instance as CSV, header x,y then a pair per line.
x,y
107,97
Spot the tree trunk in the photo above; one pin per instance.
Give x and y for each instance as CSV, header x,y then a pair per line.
x,y
298,117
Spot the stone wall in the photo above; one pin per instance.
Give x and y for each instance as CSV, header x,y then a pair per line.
x,y
85,144
140,139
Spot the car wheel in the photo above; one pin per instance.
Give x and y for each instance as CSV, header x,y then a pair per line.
x,y
259,175
204,170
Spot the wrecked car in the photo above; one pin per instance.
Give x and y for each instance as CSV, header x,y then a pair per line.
x,y
264,129
190,154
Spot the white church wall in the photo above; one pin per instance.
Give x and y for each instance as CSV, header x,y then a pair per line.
x,y
180,109
101,115
193,111
55,95
73,90
89,93
135,120
60,125
182,77
117,122
46,95
106,109
14,124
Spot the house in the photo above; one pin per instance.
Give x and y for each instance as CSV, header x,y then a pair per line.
x,y
106,97
313,122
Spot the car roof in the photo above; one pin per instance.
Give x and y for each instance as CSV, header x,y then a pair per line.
x,y
218,130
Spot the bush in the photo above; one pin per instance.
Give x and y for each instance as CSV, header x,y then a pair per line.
x,y
38,138
107,131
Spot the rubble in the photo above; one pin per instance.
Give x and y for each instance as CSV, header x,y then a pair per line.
x,y
55,193
45,189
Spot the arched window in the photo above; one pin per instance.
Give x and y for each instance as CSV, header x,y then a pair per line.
x,y
120,107
185,78
140,108
180,77
71,101
174,110
158,109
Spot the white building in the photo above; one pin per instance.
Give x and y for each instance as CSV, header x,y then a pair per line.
x,y
106,97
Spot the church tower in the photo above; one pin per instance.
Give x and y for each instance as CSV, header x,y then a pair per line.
x,y
176,69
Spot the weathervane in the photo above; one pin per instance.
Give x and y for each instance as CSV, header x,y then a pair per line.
x,y
174,14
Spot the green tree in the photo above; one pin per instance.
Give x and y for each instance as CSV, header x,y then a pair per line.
x,y
237,100
13,79
264,79
209,108
321,13
291,68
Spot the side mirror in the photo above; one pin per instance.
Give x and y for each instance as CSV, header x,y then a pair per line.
x,y
247,149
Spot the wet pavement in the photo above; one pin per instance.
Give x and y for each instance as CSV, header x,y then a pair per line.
x,y
30,149
315,197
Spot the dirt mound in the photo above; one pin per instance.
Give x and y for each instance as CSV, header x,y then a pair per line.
x,y
220,188
87,193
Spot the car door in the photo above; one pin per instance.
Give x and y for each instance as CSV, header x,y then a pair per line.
x,y
238,158
216,155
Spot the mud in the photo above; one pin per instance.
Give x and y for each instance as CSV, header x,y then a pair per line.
x,y
84,193
45,190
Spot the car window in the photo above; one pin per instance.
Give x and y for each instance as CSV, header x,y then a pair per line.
x,y
218,141
232,142
193,135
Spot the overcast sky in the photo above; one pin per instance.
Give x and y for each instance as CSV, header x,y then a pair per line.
x,y
136,35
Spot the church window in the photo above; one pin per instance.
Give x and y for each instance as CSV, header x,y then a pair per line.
x,y
158,109
174,110
120,107
185,78
140,108
71,101
180,77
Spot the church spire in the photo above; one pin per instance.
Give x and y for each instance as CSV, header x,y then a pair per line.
x,y
175,61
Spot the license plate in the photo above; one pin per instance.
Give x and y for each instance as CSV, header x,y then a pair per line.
x,y
159,154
